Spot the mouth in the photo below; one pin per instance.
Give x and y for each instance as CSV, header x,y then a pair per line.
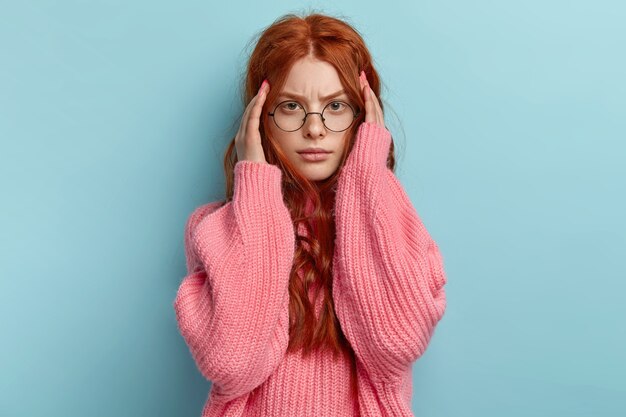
x,y
315,156
314,152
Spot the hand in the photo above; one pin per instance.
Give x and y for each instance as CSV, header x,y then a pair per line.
x,y
373,111
248,138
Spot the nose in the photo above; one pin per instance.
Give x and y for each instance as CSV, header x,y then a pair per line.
x,y
313,125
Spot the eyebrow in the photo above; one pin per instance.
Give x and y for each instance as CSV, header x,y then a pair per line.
x,y
294,95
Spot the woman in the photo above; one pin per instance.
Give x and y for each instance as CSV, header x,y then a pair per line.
x,y
314,286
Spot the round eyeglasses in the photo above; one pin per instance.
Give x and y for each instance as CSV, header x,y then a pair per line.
x,y
290,116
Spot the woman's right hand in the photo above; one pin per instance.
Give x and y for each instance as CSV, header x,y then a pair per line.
x,y
248,138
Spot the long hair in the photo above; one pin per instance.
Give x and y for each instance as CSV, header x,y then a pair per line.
x,y
288,39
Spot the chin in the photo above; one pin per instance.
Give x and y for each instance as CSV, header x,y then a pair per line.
x,y
317,171
319,175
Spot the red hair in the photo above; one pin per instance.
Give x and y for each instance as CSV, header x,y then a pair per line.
x,y
287,40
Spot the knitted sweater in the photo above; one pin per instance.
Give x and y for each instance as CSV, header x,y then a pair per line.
x,y
388,293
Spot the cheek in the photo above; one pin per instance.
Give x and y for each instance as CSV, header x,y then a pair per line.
x,y
283,140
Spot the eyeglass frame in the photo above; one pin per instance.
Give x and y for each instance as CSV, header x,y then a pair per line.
x,y
306,114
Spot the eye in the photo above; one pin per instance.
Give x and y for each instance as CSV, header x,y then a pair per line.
x,y
337,106
290,106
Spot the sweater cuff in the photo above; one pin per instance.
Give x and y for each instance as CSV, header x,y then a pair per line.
x,y
371,146
259,182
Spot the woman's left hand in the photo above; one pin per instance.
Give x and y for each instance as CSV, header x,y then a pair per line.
x,y
373,112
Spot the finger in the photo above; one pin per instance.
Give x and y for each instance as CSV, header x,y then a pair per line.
x,y
244,118
362,79
370,108
377,110
255,112
246,114
363,82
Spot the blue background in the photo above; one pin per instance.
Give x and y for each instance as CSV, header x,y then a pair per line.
x,y
510,125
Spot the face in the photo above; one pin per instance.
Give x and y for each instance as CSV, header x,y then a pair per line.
x,y
308,82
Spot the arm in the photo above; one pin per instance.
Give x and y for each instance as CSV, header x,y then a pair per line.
x,y
388,271
232,307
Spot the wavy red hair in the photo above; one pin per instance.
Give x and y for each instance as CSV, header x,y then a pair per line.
x,y
287,40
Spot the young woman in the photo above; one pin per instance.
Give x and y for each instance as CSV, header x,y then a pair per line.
x,y
314,286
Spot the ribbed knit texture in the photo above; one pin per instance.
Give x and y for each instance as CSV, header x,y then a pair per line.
x,y
388,290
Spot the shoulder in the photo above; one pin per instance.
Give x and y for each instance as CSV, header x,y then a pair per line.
x,y
200,213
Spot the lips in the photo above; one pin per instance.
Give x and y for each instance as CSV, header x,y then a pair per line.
x,y
314,151
314,156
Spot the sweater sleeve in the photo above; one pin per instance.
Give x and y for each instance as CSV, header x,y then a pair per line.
x,y
232,307
388,271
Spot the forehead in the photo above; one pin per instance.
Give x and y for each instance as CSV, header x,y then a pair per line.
x,y
312,78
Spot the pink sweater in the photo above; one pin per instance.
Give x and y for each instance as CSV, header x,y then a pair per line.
x,y
388,290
